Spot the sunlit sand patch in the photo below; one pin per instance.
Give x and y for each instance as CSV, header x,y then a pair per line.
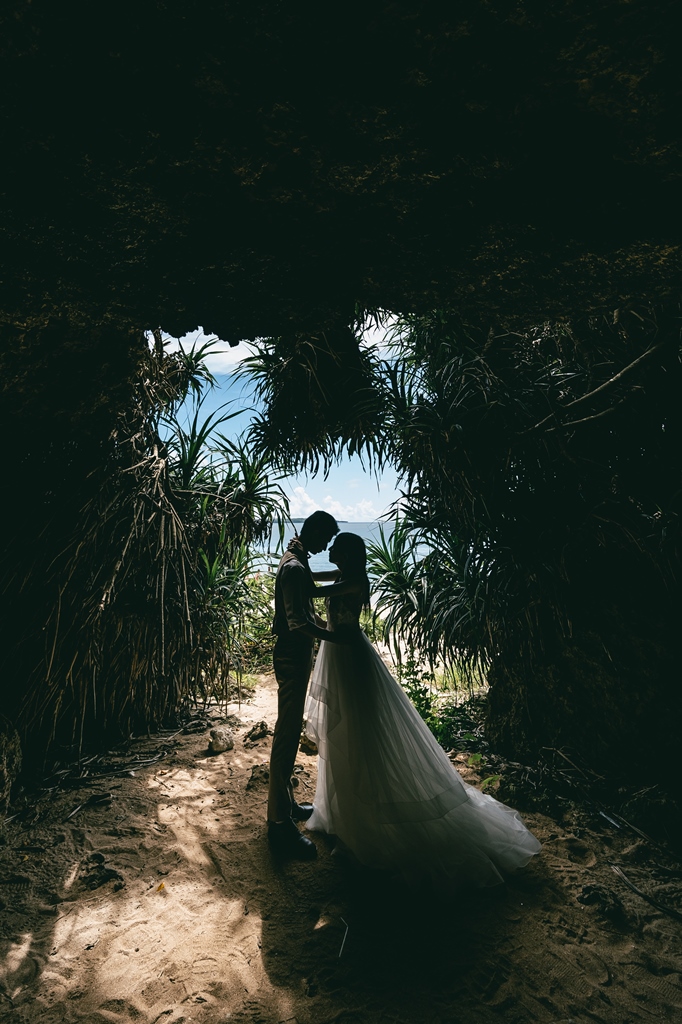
x,y
71,877
183,785
16,966
189,799
189,846
157,948
172,943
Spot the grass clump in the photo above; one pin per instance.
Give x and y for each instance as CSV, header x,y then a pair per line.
x,y
453,714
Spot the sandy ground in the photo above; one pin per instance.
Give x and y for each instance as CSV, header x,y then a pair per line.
x,y
163,905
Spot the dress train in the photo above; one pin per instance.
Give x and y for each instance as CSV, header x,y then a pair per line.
x,y
388,790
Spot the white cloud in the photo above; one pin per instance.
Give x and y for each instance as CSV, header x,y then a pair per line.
x,y
222,359
301,505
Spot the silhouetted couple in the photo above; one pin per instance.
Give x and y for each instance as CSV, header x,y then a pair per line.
x,y
385,787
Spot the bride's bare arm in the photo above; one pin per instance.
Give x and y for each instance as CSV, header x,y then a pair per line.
x,y
328,574
338,589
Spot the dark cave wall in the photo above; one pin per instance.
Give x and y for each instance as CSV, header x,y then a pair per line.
x,y
263,168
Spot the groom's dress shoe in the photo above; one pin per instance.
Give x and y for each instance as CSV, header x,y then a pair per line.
x,y
286,841
301,812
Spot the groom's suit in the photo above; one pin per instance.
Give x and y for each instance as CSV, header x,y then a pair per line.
x,y
292,661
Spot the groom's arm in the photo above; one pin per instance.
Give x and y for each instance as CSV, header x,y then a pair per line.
x,y
295,588
338,589
322,634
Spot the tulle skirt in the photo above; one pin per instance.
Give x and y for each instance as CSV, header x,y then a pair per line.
x,y
387,789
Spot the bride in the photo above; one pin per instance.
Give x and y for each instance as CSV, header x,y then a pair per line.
x,y
385,787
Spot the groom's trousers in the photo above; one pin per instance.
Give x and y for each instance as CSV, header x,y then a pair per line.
x,y
292,661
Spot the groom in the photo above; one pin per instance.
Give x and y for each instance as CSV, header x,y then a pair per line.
x,y
296,625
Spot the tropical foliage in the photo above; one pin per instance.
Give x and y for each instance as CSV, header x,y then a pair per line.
x,y
320,398
537,538
149,597
537,468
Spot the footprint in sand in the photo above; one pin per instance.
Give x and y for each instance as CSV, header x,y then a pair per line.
x,y
646,984
574,972
573,850
495,982
562,931
17,884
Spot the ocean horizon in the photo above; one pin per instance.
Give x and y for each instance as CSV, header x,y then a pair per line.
x,y
369,531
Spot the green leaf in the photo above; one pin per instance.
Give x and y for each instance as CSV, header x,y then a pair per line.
x,y
490,782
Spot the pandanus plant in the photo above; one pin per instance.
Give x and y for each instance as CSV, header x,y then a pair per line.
x,y
540,474
151,591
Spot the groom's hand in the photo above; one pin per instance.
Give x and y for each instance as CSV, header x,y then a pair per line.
x,y
347,634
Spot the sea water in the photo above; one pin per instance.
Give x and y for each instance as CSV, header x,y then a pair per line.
x,y
370,533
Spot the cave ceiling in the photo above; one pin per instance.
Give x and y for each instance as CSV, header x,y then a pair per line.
x,y
260,168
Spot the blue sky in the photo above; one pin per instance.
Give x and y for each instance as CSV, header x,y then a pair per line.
x,y
349,492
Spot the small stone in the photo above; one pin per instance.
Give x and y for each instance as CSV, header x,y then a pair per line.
x,y
221,739
257,732
307,745
260,774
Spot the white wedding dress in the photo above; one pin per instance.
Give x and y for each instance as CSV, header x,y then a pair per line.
x,y
386,788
